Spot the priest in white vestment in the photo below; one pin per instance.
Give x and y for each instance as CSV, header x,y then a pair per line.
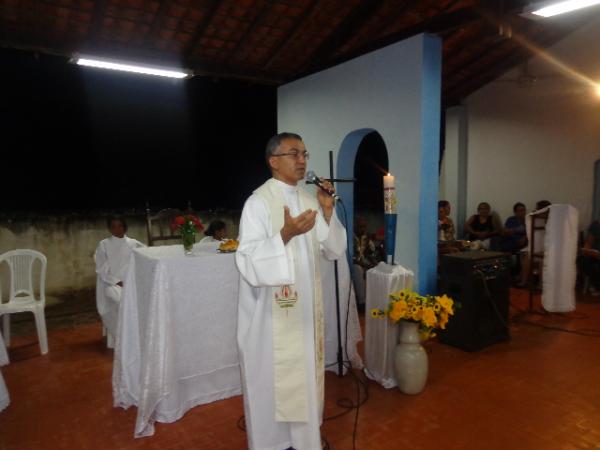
x,y
112,261
283,233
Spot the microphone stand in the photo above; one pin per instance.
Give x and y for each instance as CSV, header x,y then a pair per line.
x,y
340,350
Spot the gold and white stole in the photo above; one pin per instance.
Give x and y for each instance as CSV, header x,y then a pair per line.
x,y
291,391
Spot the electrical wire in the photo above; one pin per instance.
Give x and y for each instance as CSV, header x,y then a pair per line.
x,y
346,403
588,332
488,294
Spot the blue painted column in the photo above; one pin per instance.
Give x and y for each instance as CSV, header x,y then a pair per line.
x,y
430,156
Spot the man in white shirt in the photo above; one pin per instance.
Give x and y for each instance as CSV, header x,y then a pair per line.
x,y
283,233
112,261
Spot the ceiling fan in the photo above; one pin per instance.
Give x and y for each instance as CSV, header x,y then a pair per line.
x,y
525,78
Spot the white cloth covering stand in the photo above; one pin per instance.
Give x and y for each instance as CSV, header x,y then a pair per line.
x,y
381,335
559,245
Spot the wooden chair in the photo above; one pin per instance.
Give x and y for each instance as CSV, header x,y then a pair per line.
x,y
158,226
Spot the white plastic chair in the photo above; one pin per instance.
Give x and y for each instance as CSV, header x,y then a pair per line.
x,y
21,293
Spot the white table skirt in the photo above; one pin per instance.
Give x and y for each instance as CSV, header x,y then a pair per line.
x,y
4,397
381,335
176,342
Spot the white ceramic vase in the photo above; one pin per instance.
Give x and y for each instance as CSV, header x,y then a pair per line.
x,y
410,359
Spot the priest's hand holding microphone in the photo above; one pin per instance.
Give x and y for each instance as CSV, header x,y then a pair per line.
x,y
294,226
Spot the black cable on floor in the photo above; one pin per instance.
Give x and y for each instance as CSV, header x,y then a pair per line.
x,y
346,403
588,332
241,423
359,382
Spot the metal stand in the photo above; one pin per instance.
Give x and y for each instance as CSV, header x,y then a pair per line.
x,y
538,223
340,350
533,256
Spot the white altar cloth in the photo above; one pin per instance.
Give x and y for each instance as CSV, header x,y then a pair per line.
x,y
176,344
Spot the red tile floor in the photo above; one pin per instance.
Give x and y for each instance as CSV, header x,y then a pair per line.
x,y
541,390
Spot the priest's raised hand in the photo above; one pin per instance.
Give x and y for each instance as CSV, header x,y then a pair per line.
x,y
294,226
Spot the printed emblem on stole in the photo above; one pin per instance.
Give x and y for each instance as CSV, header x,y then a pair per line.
x,y
286,297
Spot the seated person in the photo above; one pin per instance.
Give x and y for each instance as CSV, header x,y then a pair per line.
x,y
445,222
590,261
215,232
112,261
514,234
446,238
481,227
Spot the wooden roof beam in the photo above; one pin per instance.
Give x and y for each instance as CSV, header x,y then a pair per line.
x,y
242,40
308,12
442,23
208,16
518,55
344,31
157,21
98,18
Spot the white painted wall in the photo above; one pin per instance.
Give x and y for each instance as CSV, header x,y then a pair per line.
x,y
69,243
388,90
537,142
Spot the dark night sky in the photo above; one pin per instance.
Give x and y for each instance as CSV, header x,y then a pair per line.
x,y
83,139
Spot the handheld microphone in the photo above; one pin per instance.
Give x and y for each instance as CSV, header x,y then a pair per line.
x,y
312,178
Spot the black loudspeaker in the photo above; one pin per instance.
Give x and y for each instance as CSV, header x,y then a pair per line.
x,y
480,281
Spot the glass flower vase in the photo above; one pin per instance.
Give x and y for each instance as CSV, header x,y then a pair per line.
x,y
188,240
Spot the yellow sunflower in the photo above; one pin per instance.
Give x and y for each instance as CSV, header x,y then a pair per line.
x,y
403,294
443,320
446,303
428,317
399,310
416,313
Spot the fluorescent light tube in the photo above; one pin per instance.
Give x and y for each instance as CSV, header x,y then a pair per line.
x,y
146,70
564,7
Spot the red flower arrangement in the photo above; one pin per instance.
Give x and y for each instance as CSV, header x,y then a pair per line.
x,y
187,224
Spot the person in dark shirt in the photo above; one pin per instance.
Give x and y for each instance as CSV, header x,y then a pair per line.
x,y
481,226
514,234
